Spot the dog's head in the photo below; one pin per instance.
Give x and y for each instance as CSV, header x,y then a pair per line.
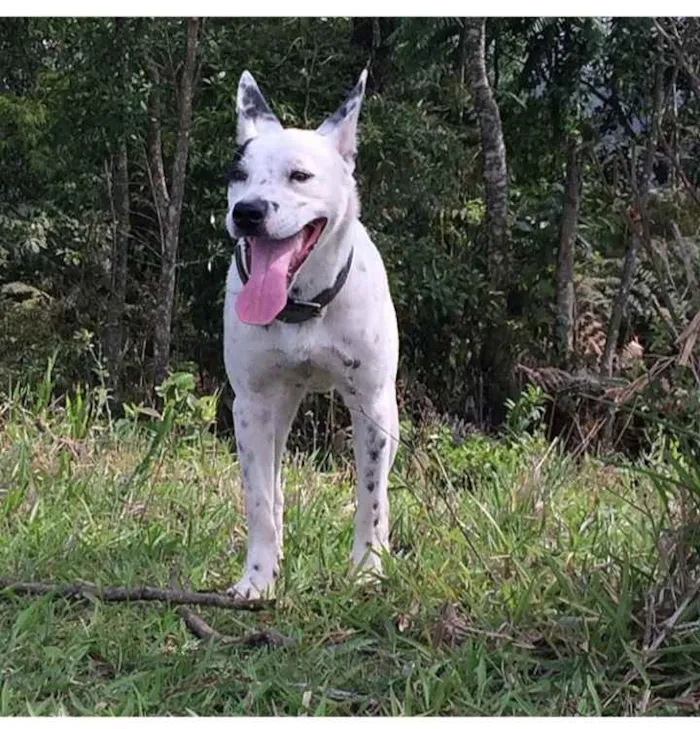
x,y
289,191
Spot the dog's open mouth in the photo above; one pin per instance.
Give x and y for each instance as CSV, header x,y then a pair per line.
x,y
272,263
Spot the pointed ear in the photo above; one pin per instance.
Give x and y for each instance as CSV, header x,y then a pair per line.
x,y
341,127
254,115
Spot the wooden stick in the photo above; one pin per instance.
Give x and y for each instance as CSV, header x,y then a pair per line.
x,y
201,629
131,594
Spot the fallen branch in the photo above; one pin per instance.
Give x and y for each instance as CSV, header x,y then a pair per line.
x,y
202,630
87,591
199,627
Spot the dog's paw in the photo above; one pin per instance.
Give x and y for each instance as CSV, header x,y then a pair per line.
x,y
249,588
367,578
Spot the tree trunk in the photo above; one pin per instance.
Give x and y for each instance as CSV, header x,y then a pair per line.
x,y
371,35
114,333
629,269
639,224
496,353
494,152
169,202
113,340
564,276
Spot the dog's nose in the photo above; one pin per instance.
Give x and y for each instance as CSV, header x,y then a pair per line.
x,y
248,215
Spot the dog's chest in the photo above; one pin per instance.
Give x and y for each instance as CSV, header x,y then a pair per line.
x,y
316,358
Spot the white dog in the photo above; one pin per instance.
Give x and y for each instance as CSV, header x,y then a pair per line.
x,y
307,309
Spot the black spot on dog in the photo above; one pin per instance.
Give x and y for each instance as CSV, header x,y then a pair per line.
x,y
372,433
254,103
375,506
244,424
296,290
347,107
236,166
256,567
275,574
375,523
374,455
382,443
371,486
275,206
368,545
369,473
239,154
352,390
350,362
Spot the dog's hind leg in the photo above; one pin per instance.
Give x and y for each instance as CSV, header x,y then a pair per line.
x,y
376,437
262,425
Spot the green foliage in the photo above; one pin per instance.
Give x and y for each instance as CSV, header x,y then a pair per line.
x,y
526,413
523,581
177,392
74,89
182,410
541,563
477,459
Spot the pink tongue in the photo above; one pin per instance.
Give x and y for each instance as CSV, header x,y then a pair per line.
x,y
265,294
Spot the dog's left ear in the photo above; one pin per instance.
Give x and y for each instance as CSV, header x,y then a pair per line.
x,y
341,127
254,115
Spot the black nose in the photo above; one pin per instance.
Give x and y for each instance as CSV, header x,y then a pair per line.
x,y
248,215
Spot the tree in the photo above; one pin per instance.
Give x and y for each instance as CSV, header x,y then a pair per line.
x,y
119,197
493,149
638,219
169,197
373,36
564,274
478,245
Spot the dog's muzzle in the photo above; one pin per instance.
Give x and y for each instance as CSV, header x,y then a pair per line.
x,y
248,215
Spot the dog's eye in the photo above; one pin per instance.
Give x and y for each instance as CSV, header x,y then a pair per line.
x,y
238,175
299,176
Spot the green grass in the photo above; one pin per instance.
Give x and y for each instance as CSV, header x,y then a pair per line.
x,y
528,592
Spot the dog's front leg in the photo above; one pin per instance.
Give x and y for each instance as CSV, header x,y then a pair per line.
x,y
376,435
262,425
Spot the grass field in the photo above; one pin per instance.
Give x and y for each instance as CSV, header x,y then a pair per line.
x,y
540,586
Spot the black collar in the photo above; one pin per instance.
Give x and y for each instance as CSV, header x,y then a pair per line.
x,y
296,312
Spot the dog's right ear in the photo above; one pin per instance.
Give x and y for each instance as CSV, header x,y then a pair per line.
x,y
254,115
